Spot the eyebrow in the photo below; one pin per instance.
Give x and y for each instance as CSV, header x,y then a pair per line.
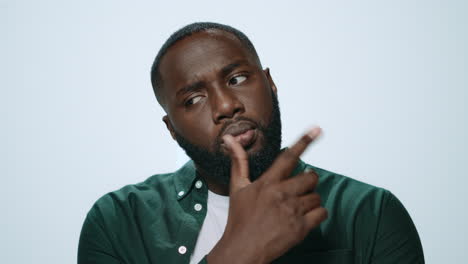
x,y
196,86
230,67
193,87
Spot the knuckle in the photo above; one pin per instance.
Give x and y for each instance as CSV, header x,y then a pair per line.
x,y
262,182
311,181
280,196
290,209
312,176
276,195
295,206
320,215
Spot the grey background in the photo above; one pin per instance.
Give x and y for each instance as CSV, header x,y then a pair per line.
x,y
386,80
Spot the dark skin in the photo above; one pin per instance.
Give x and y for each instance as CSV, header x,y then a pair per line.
x,y
210,78
198,114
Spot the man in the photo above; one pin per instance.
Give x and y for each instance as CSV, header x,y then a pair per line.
x,y
241,199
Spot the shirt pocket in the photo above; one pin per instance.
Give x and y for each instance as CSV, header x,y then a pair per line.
x,y
338,256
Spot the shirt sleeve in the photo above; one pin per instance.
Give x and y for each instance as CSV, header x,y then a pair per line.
x,y
397,240
94,245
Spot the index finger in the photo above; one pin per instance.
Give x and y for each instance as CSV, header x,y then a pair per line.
x,y
239,164
287,160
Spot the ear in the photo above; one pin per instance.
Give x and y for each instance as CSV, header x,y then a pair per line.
x,y
270,80
169,126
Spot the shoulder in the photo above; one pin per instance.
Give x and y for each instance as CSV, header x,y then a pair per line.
x,y
369,219
348,195
152,195
329,180
148,193
363,216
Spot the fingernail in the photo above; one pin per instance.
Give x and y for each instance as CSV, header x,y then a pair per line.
x,y
314,132
227,140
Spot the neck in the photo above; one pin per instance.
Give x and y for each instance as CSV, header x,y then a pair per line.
x,y
213,185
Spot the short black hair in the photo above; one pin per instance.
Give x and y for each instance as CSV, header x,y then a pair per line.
x,y
186,31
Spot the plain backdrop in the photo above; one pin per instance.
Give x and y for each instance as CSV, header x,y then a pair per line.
x,y
386,80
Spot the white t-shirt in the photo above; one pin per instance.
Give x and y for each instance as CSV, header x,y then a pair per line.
x,y
213,226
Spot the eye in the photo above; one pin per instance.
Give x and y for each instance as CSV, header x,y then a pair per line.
x,y
237,79
192,100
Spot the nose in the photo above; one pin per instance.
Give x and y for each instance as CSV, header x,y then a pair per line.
x,y
225,105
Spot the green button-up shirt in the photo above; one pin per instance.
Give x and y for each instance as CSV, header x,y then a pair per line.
x,y
158,221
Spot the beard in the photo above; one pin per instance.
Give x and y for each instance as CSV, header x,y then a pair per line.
x,y
217,165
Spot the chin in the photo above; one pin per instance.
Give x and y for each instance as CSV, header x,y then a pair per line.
x,y
255,148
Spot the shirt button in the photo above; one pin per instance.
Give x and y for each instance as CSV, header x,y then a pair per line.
x,y
198,207
198,184
182,250
181,193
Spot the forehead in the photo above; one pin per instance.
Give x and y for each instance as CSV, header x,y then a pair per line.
x,y
200,55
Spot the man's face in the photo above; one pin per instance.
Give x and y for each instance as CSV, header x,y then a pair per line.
x,y
212,86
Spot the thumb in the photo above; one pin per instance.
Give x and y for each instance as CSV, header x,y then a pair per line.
x,y
239,164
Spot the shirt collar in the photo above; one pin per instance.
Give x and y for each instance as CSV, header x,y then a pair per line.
x,y
185,177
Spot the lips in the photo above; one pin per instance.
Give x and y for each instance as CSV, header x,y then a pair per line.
x,y
243,132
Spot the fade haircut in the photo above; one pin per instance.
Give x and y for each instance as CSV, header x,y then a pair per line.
x,y
188,30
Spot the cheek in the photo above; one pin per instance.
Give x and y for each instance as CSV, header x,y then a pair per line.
x,y
259,105
198,129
